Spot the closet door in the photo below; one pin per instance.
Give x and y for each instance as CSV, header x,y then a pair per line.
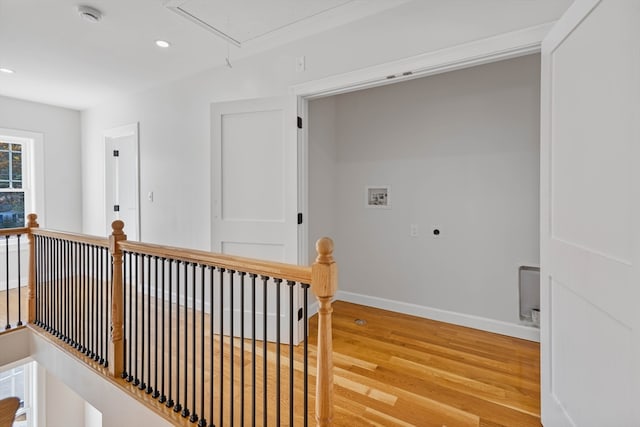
x,y
590,216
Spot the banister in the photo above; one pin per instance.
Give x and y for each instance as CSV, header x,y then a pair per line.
x,y
116,349
32,226
13,231
321,276
74,237
249,265
324,285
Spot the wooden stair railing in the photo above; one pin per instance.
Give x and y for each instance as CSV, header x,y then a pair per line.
x,y
322,276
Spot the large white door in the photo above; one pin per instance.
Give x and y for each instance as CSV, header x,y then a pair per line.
x,y
590,216
122,198
254,182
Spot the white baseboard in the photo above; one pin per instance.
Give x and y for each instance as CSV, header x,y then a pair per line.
x,y
490,325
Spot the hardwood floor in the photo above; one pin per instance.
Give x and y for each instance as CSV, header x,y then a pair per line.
x,y
10,316
400,370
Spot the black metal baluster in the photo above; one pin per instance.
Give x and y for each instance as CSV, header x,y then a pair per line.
x,y
203,420
50,270
107,325
185,410
125,307
231,364
149,385
36,251
92,298
291,355
221,304
81,299
8,325
156,392
170,376
253,349
278,282
211,347
305,369
136,310
131,309
163,396
74,300
264,350
96,313
58,299
142,385
19,285
52,288
242,276
178,406
101,317
65,284
194,415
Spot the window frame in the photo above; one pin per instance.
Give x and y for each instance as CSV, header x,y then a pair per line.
x,y
32,169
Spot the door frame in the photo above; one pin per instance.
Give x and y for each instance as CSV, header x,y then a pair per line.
x,y
492,49
132,129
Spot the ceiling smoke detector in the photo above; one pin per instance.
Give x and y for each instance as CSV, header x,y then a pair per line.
x,y
89,13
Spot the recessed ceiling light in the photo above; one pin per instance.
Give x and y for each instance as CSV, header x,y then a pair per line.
x,y
162,43
6,70
89,13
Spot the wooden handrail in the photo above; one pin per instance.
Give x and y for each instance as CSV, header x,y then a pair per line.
x,y
283,271
32,226
324,285
116,354
74,237
13,231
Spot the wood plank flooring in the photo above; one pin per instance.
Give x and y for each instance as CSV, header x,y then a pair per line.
x,y
400,370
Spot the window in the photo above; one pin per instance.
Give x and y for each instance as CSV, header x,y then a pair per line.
x,y
18,382
12,191
21,177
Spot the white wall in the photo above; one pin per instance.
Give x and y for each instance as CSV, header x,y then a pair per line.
x,y
175,119
62,407
323,171
62,170
117,407
461,153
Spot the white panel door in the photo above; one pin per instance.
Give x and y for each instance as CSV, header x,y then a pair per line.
x,y
254,181
122,198
590,216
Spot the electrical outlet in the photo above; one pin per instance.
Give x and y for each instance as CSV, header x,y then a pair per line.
x,y
413,230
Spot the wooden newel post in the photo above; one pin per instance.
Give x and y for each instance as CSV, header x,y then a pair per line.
x,y
324,274
32,222
116,347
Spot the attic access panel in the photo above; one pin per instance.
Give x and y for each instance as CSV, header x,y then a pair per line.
x,y
241,21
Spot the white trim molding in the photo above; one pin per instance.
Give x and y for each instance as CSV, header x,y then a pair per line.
x,y
476,322
501,47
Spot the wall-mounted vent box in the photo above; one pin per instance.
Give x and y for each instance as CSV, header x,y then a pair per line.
x,y
529,294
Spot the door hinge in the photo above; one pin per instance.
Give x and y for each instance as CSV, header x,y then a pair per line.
x,y
116,208
299,218
299,314
116,153
299,122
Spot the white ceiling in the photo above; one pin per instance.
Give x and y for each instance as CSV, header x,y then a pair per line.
x,y
61,59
